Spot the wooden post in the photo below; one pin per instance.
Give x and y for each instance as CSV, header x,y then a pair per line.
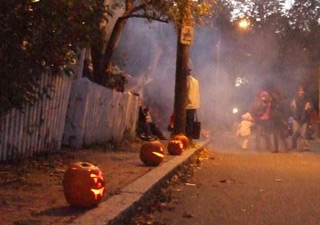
x,y
319,92
182,61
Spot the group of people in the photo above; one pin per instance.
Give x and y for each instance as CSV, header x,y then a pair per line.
x,y
269,117
149,130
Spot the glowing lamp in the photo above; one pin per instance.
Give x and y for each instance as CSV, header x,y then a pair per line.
x,y
235,110
244,23
83,185
175,147
152,153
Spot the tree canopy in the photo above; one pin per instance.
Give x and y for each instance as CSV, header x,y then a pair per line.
x,y
151,10
290,24
40,37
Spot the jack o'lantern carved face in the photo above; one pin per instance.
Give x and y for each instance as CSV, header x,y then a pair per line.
x,y
152,153
175,147
99,189
83,185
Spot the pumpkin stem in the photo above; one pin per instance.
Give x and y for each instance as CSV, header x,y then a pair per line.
x,y
85,164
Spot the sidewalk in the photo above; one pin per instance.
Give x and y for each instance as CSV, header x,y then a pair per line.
x,y
31,190
119,208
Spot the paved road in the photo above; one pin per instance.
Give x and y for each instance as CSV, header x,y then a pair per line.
x,y
236,187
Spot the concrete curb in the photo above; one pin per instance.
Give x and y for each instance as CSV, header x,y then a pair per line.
x,y
121,207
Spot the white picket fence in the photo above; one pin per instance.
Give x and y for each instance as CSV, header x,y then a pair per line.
x,y
97,114
77,113
39,127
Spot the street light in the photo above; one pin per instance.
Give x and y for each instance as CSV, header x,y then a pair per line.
x,y
244,23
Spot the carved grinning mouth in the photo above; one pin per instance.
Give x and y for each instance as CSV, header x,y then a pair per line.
x,y
158,154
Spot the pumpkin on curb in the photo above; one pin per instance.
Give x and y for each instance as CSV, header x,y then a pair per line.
x,y
175,147
183,138
152,153
83,185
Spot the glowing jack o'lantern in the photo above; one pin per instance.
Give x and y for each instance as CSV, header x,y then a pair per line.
x,y
152,153
183,138
175,147
83,185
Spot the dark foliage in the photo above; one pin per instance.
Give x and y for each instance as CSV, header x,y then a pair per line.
x,y
39,37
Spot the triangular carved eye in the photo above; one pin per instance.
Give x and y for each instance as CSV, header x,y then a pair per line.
x,y
96,177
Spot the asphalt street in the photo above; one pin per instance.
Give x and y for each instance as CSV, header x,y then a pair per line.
x,y
248,187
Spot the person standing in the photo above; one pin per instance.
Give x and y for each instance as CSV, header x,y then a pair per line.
x,y
193,103
244,130
261,115
279,121
301,110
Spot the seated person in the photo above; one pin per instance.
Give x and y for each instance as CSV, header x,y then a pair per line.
x,y
147,129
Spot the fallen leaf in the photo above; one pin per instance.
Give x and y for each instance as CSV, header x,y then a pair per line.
x,y
228,181
190,184
163,204
177,189
171,208
188,215
60,171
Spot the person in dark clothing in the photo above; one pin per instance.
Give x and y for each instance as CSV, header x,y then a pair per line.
x,y
261,114
147,129
155,130
279,120
301,110
143,130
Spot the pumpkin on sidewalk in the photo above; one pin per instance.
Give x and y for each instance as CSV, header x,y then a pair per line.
x,y
152,153
183,138
175,147
83,185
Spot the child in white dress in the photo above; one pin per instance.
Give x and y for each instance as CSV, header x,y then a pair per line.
x,y
244,130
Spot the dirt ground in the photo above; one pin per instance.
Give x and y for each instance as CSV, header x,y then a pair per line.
x,y
31,191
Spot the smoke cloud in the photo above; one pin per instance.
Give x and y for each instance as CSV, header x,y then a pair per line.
x,y
148,52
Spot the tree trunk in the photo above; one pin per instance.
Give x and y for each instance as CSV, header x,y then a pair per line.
x,y
96,56
105,63
181,87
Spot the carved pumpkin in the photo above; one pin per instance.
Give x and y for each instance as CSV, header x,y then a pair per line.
x,y
152,153
175,147
83,185
183,138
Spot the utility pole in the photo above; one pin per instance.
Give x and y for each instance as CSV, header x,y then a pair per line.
x,y
217,73
184,40
319,91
